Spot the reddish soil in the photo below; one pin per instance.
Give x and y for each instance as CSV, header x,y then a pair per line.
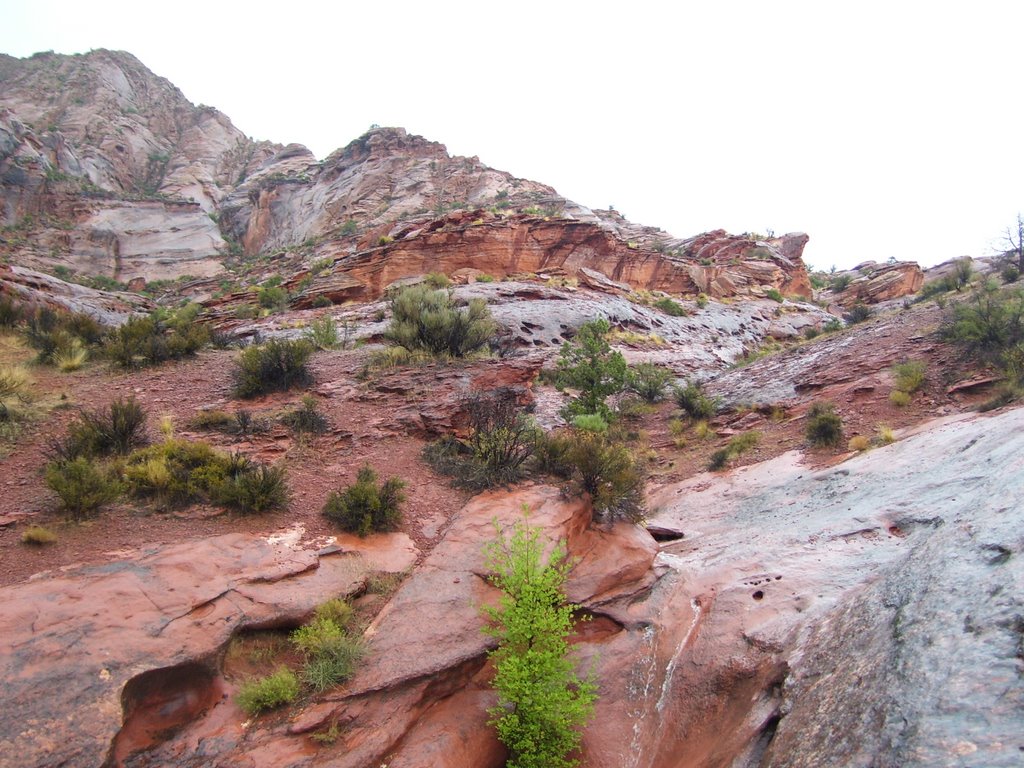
x,y
316,466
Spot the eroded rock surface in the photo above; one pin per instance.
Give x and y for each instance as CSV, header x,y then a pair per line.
x,y
73,643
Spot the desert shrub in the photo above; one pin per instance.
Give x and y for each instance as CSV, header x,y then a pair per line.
x,y
551,453
703,431
38,536
14,385
365,506
692,400
247,424
156,338
323,333
670,307
215,420
275,365
737,445
824,425
1009,274
858,313
608,472
52,333
910,375
963,271
719,459
989,323
542,702
272,297
590,422
336,609
587,363
649,381
833,325
72,357
278,689
306,418
859,443
11,312
334,666
774,295
840,283
899,398
117,429
254,489
437,280
83,487
701,300
810,332
429,320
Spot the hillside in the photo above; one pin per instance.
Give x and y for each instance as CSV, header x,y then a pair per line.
x,y
754,596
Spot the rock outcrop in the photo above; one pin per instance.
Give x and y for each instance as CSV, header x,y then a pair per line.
x,y
38,289
80,650
873,283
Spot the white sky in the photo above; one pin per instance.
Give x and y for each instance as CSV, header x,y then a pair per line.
x,y
879,128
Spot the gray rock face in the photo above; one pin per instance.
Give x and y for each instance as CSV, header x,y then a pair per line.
x,y
890,586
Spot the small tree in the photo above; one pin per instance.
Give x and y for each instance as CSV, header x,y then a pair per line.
x,y
587,363
1012,243
542,701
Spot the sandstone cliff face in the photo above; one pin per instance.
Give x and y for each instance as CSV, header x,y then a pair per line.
x,y
873,283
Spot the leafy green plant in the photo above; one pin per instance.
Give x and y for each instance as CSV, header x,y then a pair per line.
x,y
365,506
323,333
824,425
276,690
82,486
278,364
254,488
858,313
429,320
774,294
542,702
840,283
588,364
159,337
649,381
551,452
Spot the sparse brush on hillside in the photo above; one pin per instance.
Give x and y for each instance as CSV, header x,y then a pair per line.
x,y
429,320
824,425
306,419
692,400
83,487
56,335
608,472
116,429
649,381
14,386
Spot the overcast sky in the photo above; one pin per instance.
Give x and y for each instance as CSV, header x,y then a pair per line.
x,y
879,128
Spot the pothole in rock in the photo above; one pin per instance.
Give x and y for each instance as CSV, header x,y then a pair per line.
x,y
157,703
594,627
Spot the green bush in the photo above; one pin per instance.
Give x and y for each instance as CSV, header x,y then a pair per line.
x,y
307,418
278,364
649,381
323,333
82,486
551,453
607,472
670,307
157,338
429,320
840,283
774,294
270,692
542,702
590,422
910,375
588,364
858,313
117,429
824,425
989,323
736,446
833,325
697,405
1009,273
899,398
255,489
54,334
963,271
334,666
365,507
11,312
272,297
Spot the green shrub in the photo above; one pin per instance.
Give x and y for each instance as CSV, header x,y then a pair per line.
x,y
55,334
590,422
38,536
11,312
270,692
14,385
551,453
278,364
437,280
542,702
216,420
810,332
429,320
963,271
607,472
691,399
936,287
840,283
670,307
323,333
910,376
649,381
255,489
272,297
833,325
824,425
82,486
719,459
587,363
774,295
307,418
157,338
702,300
336,609
736,446
988,323
1009,273
117,429
899,398
858,313
365,507
335,665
